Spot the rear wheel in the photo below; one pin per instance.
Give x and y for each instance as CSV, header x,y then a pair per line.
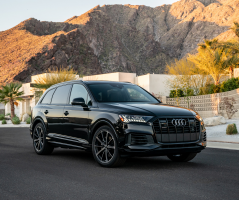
x,y
40,143
105,148
182,157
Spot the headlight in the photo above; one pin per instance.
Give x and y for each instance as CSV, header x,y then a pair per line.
x,y
135,118
198,117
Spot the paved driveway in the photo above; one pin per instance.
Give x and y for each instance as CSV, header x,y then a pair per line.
x,y
73,174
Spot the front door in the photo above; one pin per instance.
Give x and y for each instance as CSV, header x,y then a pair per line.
x,y
76,117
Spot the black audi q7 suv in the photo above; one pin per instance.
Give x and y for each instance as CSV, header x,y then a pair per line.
x,y
114,120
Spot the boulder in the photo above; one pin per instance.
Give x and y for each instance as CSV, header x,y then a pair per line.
x,y
25,117
213,121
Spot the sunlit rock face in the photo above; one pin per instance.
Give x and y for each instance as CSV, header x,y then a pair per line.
x,y
114,38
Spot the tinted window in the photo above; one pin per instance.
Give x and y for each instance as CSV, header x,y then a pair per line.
x,y
117,92
47,98
79,91
61,95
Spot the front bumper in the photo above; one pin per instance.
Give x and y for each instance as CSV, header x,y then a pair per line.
x,y
160,150
153,147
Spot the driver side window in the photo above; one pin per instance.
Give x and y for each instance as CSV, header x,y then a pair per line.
x,y
79,91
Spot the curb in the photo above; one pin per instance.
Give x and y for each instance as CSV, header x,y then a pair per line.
x,y
222,141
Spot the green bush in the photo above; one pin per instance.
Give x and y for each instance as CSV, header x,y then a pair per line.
x,y
230,84
190,92
8,114
28,121
231,129
16,120
176,93
4,121
214,89
2,117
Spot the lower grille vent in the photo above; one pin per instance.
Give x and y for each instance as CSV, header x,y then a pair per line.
x,y
178,145
138,139
205,137
141,139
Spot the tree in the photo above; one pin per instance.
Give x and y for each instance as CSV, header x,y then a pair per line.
x,y
53,77
235,28
214,61
10,93
186,76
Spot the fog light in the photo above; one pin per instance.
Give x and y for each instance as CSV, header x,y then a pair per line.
x,y
204,144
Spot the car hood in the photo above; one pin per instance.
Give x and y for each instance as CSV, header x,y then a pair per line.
x,y
151,109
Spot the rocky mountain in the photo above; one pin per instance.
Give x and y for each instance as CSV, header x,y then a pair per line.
x,y
114,38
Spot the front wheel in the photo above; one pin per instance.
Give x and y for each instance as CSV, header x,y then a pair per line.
x,y
40,143
182,157
105,148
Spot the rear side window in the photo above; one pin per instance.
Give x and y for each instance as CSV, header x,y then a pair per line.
x,y
47,98
61,95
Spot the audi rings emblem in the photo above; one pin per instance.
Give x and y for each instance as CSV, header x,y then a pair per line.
x,y
179,122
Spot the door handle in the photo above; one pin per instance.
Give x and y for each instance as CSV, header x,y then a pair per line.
x,y
66,113
46,112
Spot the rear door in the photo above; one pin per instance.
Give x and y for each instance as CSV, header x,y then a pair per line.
x,y
54,112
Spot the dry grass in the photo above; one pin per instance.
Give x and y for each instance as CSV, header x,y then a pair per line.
x,y
55,76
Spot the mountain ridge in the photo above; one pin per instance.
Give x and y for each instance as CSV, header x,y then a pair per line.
x,y
110,38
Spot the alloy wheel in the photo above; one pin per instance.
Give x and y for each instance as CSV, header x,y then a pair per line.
x,y
38,138
104,146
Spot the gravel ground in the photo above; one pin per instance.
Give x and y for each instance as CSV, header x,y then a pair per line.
x,y
220,130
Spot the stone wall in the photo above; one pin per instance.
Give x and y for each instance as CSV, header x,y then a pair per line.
x,y
206,105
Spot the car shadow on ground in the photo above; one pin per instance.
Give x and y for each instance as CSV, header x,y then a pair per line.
x,y
156,162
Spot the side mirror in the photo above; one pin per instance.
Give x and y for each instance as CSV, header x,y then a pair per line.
x,y
79,101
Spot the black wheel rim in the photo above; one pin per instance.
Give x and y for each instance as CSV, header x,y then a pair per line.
x,y
104,146
38,138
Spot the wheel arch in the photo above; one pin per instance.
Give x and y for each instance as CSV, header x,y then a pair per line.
x,y
36,121
98,124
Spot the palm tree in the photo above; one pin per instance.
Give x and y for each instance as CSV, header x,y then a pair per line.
x,y
10,93
235,28
214,62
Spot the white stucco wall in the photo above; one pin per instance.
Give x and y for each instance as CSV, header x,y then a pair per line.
x,y
117,76
236,72
143,81
2,106
154,83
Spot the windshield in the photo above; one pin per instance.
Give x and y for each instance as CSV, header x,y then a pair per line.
x,y
118,92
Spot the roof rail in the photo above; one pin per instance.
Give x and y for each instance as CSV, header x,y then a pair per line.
x,y
66,82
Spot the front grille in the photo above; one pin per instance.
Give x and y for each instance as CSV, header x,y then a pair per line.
x,y
166,132
141,139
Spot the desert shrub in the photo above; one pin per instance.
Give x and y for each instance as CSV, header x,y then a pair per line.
x,y
231,129
2,117
4,121
230,84
28,121
176,93
16,120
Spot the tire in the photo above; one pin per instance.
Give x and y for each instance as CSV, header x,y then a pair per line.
x,y
40,144
182,157
105,148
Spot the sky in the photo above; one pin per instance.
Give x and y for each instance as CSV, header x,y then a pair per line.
x,y
12,12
